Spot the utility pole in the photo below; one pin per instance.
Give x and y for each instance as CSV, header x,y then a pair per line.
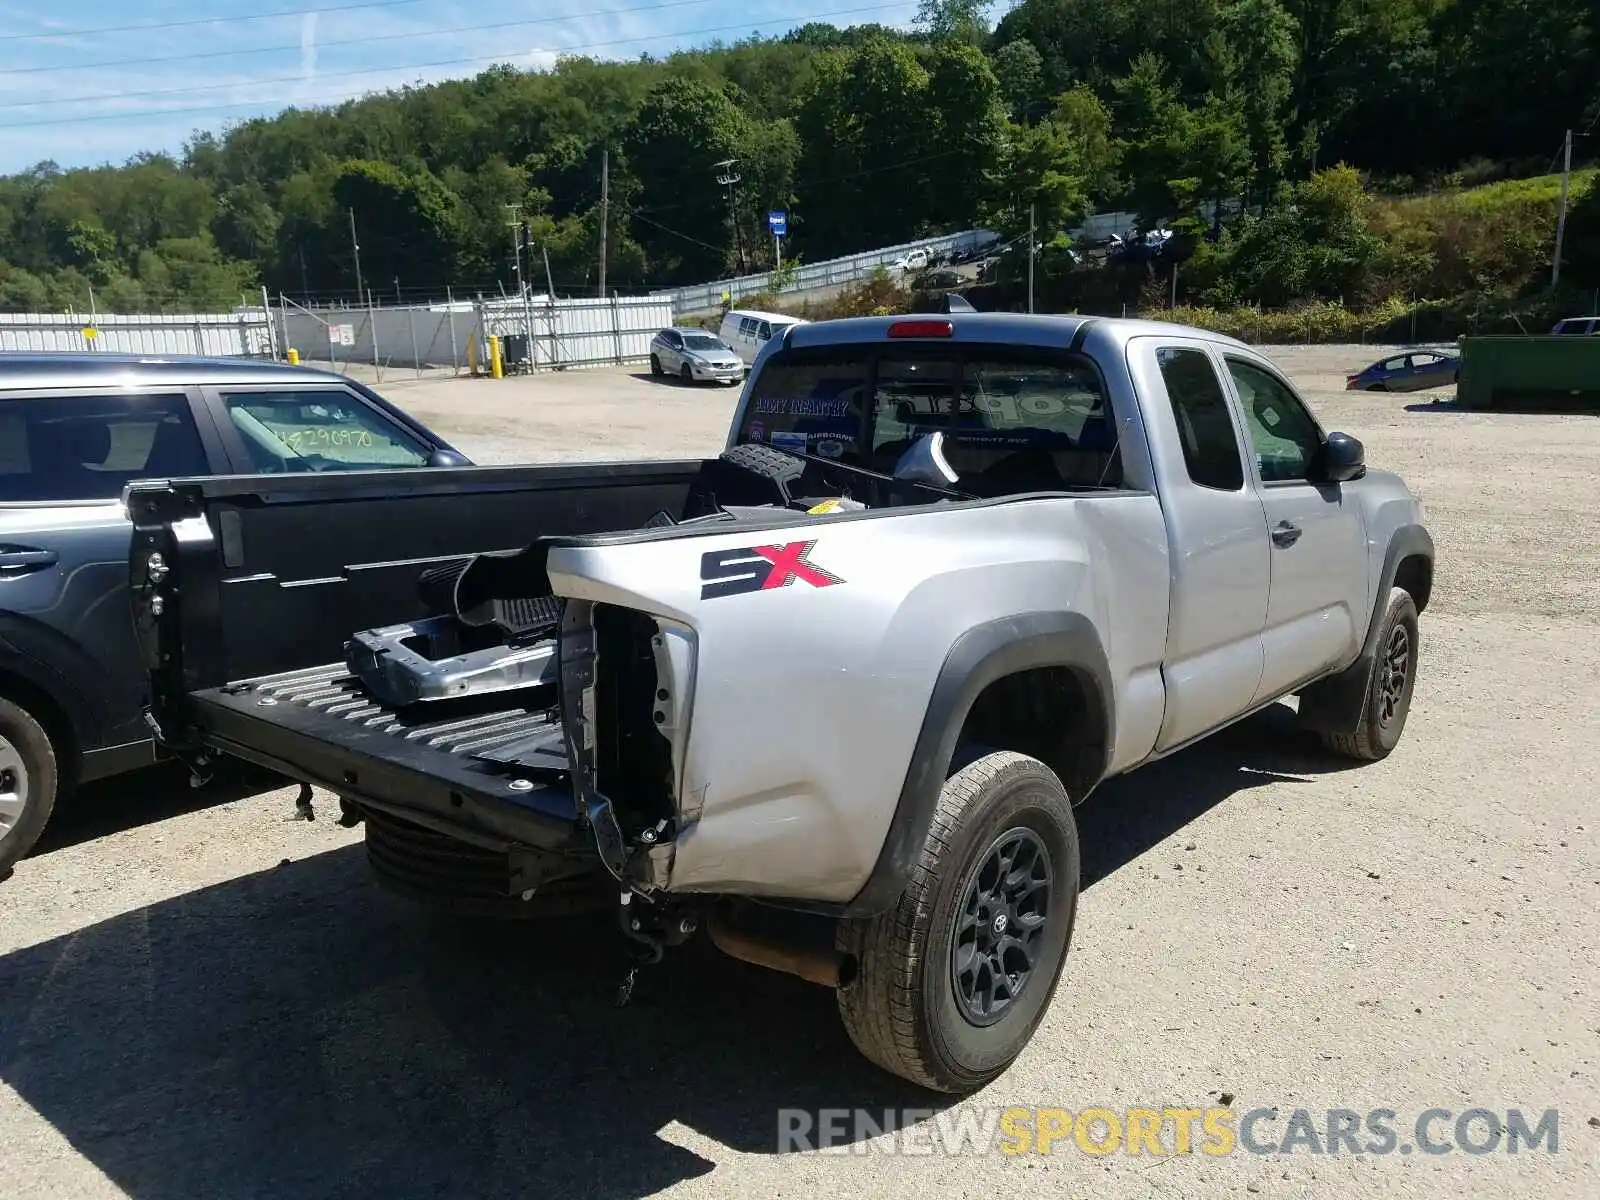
x,y
355,249
605,213
549,302
727,177
515,222
1032,245
1561,213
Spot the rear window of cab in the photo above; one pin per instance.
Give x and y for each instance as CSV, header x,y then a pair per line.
x,y
1015,418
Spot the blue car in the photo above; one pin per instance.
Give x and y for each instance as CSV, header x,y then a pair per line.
x,y
1408,372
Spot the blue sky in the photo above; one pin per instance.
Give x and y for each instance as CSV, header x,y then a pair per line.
x,y
79,86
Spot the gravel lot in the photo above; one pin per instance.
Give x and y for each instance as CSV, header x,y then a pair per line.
x,y
202,998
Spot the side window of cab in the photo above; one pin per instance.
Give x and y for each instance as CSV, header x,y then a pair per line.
x,y
1283,433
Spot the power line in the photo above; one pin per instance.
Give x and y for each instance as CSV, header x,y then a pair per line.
x,y
296,47
412,66
678,233
282,12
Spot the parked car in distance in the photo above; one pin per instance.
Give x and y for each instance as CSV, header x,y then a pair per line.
x,y
1408,372
748,331
75,428
694,355
1578,325
915,260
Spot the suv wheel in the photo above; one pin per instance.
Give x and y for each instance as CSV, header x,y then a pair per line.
x,y
1388,695
27,783
952,981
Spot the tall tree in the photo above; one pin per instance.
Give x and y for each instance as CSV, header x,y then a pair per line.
x,y
865,156
1061,166
408,224
673,145
1019,67
1261,41
955,20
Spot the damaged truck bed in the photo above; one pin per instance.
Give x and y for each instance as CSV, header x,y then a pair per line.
x,y
949,573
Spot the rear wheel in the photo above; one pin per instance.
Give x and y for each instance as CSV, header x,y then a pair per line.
x,y
1388,696
953,980
27,782
655,365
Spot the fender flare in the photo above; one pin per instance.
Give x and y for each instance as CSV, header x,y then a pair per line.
x,y
1333,705
981,655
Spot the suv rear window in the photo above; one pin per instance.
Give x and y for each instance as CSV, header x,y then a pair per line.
x,y
1015,418
88,447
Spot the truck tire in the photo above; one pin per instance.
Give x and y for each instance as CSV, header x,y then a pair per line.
x,y
27,783
925,1002
1388,696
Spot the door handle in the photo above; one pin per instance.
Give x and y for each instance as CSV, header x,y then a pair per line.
x,y
13,560
1285,534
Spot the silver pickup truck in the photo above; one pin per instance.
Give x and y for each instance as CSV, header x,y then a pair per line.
x,y
831,696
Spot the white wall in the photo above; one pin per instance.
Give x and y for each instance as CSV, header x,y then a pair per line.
x,y
567,333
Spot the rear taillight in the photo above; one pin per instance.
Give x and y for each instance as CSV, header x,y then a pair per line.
x,y
921,329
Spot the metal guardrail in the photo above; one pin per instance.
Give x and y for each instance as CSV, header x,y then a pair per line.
x,y
806,277
706,297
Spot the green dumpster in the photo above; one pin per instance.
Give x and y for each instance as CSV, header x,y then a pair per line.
x,y
1525,372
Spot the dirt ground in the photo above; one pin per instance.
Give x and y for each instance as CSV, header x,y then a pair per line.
x,y
202,998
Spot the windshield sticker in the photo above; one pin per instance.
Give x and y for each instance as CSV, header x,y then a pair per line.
x,y
744,569
757,431
829,448
1001,409
803,406
789,440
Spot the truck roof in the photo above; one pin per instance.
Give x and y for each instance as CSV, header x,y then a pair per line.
x,y
30,369
1025,328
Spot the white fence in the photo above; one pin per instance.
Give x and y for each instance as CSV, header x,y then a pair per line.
x,y
419,336
576,333
245,332
706,297
537,335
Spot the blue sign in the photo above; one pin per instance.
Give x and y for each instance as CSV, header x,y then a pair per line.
x,y
778,222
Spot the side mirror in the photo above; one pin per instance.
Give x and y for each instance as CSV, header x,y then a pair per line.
x,y
924,462
1343,458
448,458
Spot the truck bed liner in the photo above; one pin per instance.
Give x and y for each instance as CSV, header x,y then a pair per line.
x,y
497,761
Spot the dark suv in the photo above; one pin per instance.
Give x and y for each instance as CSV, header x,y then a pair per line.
x,y
74,430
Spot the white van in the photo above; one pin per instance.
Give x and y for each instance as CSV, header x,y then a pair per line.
x,y
747,331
